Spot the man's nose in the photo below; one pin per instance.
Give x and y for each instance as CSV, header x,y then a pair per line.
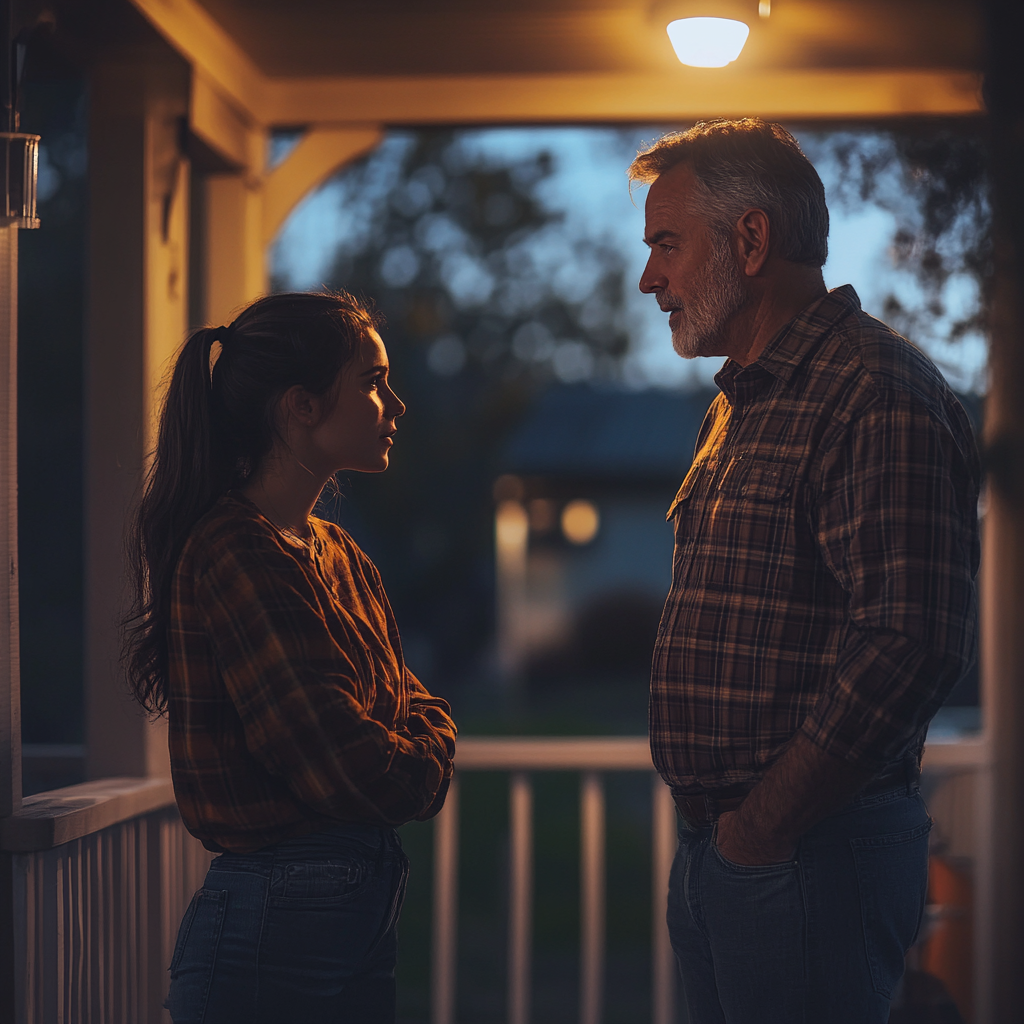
x,y
651,280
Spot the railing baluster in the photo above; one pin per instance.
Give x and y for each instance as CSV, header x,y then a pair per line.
x,y
446,908
592,897
520,920
663,974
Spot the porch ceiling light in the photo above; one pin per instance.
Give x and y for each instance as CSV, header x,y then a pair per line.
x,y
709,33
707,42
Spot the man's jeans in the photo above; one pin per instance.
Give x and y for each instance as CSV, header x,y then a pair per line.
x,y
817,940
303,932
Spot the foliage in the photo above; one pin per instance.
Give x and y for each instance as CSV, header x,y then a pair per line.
x,y
933,179
456,251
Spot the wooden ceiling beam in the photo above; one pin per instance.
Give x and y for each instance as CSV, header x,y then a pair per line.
x,y
682,95
209,49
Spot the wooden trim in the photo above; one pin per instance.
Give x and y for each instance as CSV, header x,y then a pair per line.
x,y
10,675
682,95
320,152
219,124
554,753
205,45
48,820
51,819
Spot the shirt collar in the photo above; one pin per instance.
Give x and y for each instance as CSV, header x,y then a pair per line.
x,y
793,343
798,338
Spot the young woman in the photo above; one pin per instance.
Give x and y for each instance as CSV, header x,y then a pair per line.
x,y
298,737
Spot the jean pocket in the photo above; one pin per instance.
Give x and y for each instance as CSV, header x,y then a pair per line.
x,y
337,878
892,880
195,954
779,867
199,931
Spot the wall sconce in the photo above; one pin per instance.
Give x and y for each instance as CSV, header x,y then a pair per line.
x,y
19,170
710,33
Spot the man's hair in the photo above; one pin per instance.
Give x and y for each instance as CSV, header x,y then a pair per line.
x,y
748,164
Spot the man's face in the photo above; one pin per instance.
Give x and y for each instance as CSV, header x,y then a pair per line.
x,y
692,270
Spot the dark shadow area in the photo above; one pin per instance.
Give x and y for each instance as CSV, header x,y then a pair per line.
x,y
51,324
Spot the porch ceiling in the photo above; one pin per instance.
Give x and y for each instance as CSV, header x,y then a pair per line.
x,y
293,62
287,38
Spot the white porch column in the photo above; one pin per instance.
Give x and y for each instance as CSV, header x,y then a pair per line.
x,y
10,686
138,183
236,271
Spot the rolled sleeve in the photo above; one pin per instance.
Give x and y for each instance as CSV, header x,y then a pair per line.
x,y
896,521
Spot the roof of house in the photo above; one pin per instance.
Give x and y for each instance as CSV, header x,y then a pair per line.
x,y
600,433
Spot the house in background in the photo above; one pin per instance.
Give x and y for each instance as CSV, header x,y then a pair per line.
x,y
583,551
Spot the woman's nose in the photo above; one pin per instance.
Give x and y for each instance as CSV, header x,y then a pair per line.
x,y
396,406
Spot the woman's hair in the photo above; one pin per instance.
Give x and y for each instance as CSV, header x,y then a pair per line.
x,y
217,426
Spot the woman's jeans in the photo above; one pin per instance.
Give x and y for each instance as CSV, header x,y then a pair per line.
x,y
303,932
816,940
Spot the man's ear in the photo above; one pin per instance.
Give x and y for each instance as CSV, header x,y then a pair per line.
x,y
753,231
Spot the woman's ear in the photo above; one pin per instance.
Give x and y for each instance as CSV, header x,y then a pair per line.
x,y
300,406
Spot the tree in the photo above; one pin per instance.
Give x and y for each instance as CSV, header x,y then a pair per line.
x,y
461,256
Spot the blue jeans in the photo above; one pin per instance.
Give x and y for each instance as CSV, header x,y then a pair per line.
x,y
817,940
303,932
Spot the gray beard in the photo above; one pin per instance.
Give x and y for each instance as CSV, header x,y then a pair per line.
x,y
719,296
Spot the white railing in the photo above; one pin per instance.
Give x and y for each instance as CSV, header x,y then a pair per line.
x,y
521,756
100,874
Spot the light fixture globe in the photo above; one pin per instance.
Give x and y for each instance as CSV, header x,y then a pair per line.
x,y
707,42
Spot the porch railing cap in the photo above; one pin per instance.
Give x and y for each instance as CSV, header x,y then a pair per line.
x,y
60,816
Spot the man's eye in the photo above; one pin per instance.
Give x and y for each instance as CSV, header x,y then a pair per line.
x,y
666,249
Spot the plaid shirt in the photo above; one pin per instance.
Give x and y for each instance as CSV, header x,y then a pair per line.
x,y
291,707
826,547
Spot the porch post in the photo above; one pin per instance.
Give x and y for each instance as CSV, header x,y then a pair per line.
x,y
235,256
10,685
138,185
1001,993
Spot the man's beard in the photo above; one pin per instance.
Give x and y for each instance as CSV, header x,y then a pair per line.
x,y
717,297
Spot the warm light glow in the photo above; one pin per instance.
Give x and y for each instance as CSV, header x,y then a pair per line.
x,y
511,528
707,42
580,522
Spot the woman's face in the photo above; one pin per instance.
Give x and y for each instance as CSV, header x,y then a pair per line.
x,y
358,430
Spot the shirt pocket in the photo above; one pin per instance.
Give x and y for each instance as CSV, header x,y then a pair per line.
x,y
758,479
697,473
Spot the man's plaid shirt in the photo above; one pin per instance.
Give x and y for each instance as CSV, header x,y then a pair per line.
x,y
290,704
826,547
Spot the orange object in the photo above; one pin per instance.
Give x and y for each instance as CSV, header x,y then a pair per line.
x,y
948,952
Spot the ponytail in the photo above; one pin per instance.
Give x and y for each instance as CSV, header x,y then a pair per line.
x,y
216,427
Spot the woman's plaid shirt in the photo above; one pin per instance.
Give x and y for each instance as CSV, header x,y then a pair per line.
x,y
826,547
291,707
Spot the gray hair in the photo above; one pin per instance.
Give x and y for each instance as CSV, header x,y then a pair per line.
x,y
748,164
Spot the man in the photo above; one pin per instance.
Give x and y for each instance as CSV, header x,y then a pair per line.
x,y
822,602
